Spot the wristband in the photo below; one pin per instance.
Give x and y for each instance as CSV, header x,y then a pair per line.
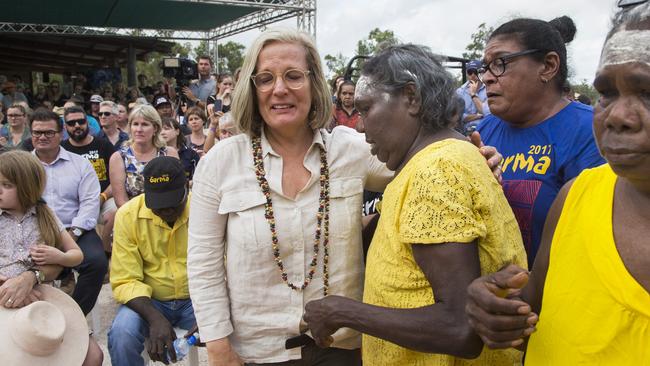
x,y
104,196
213,129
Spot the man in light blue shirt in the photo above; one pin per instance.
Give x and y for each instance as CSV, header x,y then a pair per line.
x,y
474,95
199,91
72,192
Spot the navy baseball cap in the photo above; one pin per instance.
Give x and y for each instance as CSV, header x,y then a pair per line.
x,y
474,65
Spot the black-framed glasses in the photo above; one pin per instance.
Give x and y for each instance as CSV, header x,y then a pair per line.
x,y
626,3
104,114
73,122
46,133
293,79
498,66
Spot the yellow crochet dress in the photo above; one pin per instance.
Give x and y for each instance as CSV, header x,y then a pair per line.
x,y
593,311
445,193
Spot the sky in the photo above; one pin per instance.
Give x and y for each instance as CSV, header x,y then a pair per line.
x,y
446,26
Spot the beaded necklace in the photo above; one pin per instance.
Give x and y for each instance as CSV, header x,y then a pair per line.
x,y
322,219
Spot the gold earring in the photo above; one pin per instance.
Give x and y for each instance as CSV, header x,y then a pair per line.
x,y
544,81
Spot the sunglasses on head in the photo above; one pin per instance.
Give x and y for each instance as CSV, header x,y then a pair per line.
x,y
73,122
104,114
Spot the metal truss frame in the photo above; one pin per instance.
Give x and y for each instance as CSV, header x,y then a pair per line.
x,y
272,11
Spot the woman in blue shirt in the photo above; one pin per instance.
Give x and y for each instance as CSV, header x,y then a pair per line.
x,y
546,140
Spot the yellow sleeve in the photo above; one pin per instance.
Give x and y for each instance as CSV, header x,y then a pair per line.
x,y
126,261
438,205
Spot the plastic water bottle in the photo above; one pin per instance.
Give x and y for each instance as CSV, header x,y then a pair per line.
x,y
182,346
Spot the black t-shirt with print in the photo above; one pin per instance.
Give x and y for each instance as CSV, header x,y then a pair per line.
x,y
98,152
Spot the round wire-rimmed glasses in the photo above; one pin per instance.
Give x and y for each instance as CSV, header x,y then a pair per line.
x,y
293,79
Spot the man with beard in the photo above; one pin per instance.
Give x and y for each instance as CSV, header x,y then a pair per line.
x,y
98,152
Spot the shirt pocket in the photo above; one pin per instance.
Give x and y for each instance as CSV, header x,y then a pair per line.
x,y
346,196
247,226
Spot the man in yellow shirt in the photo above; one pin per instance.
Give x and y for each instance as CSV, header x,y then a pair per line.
x,y
149,267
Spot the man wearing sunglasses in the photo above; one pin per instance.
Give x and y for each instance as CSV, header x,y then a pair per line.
x,y
108,114
474,95
72,192
98,152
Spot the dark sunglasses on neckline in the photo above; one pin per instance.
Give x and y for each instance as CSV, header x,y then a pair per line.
x,y
73,122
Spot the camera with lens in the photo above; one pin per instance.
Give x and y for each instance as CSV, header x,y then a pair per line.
x,y
183,70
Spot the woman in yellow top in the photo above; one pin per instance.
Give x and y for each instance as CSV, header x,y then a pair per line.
x,y
444,222
590,283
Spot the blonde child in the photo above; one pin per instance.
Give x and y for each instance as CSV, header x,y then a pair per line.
x,y
32,237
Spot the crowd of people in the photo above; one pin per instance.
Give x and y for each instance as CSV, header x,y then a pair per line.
x,y
293,221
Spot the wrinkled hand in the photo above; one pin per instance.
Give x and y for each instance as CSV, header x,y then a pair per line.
x,y
45,254
320,316
495,310
220,353
161,340
491,155
18,291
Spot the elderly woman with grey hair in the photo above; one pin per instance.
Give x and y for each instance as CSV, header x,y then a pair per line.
x,y
444,222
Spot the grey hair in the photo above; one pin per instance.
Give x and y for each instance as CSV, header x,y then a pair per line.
x,y
397,66
112,105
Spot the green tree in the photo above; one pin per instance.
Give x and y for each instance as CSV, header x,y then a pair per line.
x,y
376,41
585,88
477,45
201,49
231,56
336,64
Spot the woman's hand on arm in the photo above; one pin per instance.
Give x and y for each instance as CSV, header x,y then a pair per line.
x,y
117,175
491,155
496,311
503,307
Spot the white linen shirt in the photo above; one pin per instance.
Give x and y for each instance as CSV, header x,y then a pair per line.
x,y
254,306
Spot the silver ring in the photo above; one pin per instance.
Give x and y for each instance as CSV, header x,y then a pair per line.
x,y
10,301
